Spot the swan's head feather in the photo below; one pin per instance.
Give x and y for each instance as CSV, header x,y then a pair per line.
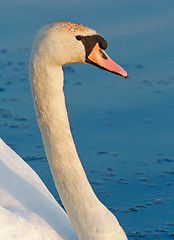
x,y
58,43
61,42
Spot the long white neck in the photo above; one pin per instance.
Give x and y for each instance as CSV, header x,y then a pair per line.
x,y
88,216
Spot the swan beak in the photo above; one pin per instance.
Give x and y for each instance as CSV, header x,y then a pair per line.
x,y
99,58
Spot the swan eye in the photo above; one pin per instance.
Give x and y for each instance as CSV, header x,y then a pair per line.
x,y
79,37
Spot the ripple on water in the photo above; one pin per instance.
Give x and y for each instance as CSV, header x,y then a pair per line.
x,y
96,182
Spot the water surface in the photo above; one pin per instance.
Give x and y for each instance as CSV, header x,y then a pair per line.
x,y
123,129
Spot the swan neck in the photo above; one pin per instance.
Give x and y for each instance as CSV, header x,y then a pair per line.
x,y
87,214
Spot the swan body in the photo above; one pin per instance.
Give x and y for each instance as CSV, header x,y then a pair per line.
x,y
54,45
27,209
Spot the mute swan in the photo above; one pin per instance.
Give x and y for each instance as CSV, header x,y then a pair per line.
x,y
27,208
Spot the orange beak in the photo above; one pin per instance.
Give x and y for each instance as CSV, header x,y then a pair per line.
x,y
99,58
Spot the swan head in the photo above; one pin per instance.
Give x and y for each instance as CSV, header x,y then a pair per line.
x,y
61,42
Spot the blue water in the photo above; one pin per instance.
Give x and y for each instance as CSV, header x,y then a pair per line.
x,y
123,129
